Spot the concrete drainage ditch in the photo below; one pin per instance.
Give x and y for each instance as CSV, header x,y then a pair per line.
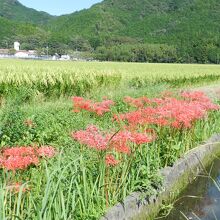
x,y
176,178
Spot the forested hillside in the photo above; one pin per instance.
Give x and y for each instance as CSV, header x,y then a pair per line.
x,y
191,26
141,31
14,10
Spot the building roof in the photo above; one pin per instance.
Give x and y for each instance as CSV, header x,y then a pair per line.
x,y
26,51
4,51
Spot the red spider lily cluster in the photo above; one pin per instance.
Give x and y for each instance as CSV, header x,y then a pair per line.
x,y
167,111
195,96
99,108
119,142
20,158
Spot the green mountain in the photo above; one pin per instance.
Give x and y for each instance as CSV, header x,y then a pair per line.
x,y
30,35
11,30
14,10
141,30
157,21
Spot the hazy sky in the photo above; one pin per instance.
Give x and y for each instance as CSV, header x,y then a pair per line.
x,y
58,7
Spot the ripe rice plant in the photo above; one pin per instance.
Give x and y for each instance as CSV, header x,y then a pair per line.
x,y
53,80
78,78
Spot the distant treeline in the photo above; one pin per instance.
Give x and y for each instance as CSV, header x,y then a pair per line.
x,y
160,53
123,49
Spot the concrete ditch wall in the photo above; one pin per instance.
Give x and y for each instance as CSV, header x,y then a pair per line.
x,y
176,178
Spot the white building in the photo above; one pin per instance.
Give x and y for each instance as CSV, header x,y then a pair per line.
x,y
65,57
22,54
17,46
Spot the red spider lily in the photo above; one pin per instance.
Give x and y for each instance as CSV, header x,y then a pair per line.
x,y
91,137
119,141
140,138
77,99
46,151
143,116
18,162
201,98
19,151
195,96
110,160
102,107
80,103
20,158
96,107
171,112
138,102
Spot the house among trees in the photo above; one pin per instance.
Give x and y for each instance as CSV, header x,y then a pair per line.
x,y
23,53
17,53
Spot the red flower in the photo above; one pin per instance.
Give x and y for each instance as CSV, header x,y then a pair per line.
x,y
19,162
91,137
19,151
170,111
139,138
96,107
110,160
19,158
119,141
138,102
